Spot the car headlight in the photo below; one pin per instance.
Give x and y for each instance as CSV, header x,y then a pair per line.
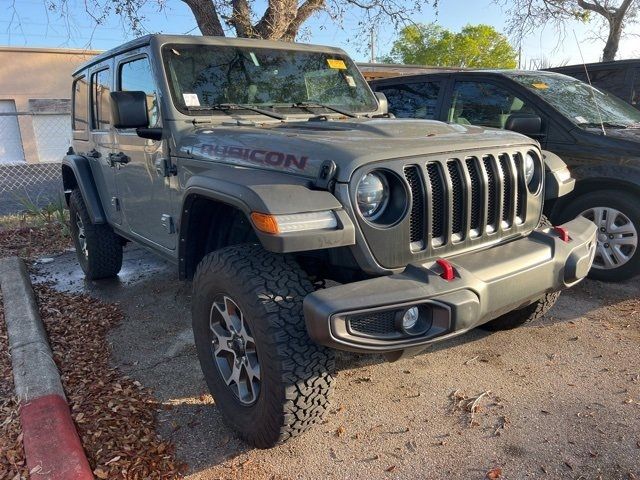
x,y
529,168
372,195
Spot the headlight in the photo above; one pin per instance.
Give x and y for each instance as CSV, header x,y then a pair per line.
x,y
529,168
372,195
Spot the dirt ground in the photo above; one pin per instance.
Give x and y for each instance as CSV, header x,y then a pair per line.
x,y
560,399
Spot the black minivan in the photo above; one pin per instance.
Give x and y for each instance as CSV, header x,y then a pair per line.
x,y
595,133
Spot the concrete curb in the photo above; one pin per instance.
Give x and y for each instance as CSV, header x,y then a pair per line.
x,y
51,443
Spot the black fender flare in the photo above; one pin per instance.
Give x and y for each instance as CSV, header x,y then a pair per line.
x,y
76,172
600,177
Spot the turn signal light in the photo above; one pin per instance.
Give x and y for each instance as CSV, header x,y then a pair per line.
x,y
265,223
563,233
447,269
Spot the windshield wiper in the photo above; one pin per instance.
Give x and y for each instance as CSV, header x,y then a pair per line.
x,y
308,105
225,107
603,124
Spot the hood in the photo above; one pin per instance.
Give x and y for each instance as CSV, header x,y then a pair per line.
x,y
302,147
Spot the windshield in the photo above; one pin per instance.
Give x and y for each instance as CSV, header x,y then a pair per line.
x,y
206,76
579,102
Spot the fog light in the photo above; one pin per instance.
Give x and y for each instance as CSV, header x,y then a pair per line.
x,y
410,318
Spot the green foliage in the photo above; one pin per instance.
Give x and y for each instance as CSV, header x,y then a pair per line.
x,y
475,46
52,213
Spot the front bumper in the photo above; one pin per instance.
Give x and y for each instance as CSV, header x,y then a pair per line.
x,y
364,316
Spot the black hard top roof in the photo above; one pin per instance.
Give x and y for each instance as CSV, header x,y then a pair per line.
x,y
160,39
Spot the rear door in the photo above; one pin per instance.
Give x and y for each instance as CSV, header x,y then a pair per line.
x,y
414,99
145,192
101,138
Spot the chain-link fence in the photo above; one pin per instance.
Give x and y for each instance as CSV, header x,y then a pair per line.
x,y
32,145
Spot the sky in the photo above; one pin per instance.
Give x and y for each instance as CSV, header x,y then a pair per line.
x,y
29,23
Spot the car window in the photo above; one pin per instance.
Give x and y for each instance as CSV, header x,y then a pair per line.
x,y
101,100
136,75
486,104
611,80
80,99
412,100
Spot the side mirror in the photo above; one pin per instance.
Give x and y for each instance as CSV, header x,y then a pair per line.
x,y
525,123
382,102
129,110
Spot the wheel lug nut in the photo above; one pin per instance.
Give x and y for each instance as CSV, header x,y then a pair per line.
x,y
606,245
602,229
611,236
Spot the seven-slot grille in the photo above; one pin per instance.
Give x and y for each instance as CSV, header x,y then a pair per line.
x,y
464,199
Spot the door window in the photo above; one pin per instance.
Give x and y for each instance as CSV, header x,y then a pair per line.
x,y
412,100
136,75
486,104
101,100
80,99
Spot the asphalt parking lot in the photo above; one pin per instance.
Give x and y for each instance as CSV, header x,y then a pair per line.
x,y
560,399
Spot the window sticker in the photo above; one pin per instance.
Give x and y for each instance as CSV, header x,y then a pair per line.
x,y
350,80
540,85
191,99
336,63
254,59
580,119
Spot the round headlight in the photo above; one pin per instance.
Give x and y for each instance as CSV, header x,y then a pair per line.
x,y
372,195
529,168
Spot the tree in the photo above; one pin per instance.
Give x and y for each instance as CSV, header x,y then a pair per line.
x,y
527,15
280,20
475,46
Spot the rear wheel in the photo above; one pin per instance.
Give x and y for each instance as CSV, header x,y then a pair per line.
x,y
617,216
269,380
98,248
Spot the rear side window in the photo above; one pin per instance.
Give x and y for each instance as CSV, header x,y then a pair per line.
x,y
612,80
136,75
100,100
80,100
412,100
635,94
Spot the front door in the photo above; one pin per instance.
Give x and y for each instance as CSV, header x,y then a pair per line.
x,y
145,191
101,139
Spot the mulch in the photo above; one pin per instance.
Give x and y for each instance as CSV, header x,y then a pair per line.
x,y
115,415
32,242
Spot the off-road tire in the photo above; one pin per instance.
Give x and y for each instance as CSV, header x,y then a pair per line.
x,y
625,202
103,246
531,312
296,373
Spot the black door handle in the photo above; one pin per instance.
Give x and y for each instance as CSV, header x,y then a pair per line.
x,y
118,158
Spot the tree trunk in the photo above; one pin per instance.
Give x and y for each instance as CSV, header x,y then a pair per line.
x,y
613,40
206,16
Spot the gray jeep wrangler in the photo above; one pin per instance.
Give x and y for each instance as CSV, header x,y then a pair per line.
x,y
263,169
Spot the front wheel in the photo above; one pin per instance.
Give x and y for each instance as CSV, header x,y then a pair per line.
x,y
617,216
268,379
522,316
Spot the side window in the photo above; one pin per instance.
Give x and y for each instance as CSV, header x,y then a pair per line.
x,y
612,80
412,100
486,104
100,100
80,100
136,75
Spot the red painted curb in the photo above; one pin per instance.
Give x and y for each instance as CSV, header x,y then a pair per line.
x,y
51,444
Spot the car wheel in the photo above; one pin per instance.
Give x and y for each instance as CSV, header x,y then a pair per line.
x,y
269,380
98,248
617,216
525,315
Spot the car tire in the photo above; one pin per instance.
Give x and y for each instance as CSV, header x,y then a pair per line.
x,y
247,319
98,248
622,207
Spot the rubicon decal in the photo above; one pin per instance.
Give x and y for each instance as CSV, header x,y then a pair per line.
x,y
272,158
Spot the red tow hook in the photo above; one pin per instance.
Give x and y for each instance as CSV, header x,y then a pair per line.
x,y
563,233
448,273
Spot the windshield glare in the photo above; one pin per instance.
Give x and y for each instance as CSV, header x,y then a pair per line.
x,y
579,102
202,76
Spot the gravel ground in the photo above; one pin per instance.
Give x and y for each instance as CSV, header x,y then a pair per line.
x,y
560,399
